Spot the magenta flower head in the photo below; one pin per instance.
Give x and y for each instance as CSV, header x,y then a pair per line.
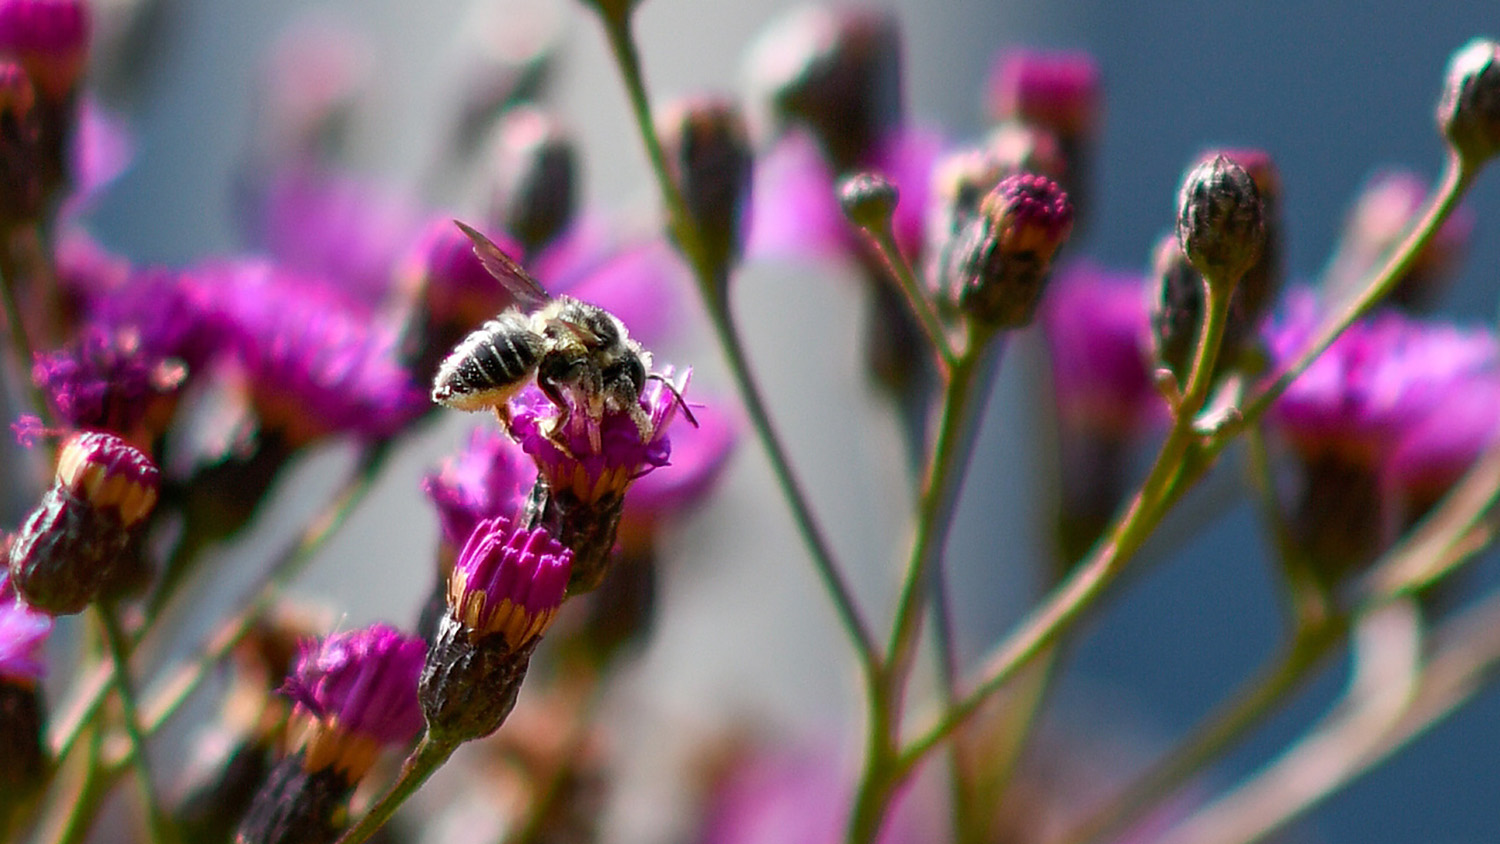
x,y
586,467
313,367
504,591
1061,91
1433,455
355,694
71,544
508,581
50,37
107,380
23,632
1347,415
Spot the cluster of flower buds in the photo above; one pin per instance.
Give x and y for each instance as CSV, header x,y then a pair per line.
x,y
355,695
67,551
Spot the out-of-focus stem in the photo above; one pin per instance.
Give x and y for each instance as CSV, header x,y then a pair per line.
x,y
884,242
713,291
423,763
115,641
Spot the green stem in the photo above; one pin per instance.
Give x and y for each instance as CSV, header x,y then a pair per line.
x,y
115,640
91,794
20,341
1090,579
690,242
884,241
421,764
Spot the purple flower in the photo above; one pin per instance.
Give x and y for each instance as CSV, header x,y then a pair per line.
x,y
333,225
490,477
453,285
1379,380
795,210
699,456
508,580
1097,336
1432,455
51,37
23,631
109,380
1058,90
358,691
592,474
313,366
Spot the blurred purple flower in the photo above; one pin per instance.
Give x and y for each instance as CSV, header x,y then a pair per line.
x,y
1097,331
362,683
23,631
490,477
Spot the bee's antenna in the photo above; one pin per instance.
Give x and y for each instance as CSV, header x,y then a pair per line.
x,y
677,394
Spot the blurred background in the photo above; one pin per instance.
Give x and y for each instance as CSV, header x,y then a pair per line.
x,y
1332,90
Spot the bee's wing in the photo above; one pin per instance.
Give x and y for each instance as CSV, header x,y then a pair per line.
x,y
511,275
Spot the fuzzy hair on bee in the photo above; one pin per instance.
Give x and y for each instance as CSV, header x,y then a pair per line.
x,y
572,349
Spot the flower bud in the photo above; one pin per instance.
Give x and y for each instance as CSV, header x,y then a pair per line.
x,y
1176,298
69,546
1259,287
1469,112
868,200
708,153
1220,221
506,587
536,178
20,151
1002,260
835,72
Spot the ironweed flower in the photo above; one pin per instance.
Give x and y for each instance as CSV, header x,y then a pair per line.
x,y
68,548
107,380
23,632
1346,416
312,367
1059,94
1001,264
505,590
50,38
1432,455
489,477
355,695
581,486
1095,323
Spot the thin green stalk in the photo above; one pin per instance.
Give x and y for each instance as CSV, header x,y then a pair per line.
x,y
1089,580
117,643
421,764
91,793
689,240
884,241
20,342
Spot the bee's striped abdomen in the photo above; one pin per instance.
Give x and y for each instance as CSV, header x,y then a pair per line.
x,y
490,365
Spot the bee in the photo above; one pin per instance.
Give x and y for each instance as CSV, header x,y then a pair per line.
x,y
569,347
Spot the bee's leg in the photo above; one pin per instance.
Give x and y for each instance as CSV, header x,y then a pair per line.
x,y
642,421
556,434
